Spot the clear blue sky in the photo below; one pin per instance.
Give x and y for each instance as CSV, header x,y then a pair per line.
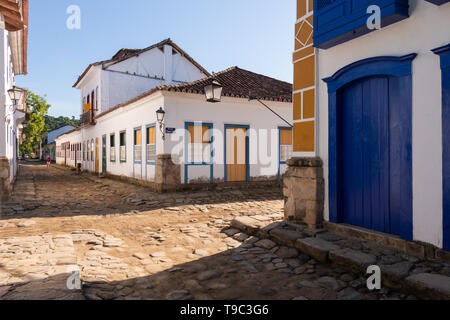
x,y
257,35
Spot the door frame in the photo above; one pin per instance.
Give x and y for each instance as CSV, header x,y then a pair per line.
x,y
247,149
444,53
400,69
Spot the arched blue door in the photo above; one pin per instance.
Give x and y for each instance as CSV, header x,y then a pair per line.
x,y
370,150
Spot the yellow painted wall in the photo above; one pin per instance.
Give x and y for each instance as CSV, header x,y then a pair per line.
x,y
304,79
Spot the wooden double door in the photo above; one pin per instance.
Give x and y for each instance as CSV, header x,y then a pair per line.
x,y
373,144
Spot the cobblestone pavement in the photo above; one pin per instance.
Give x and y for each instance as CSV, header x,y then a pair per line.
x,y
131,243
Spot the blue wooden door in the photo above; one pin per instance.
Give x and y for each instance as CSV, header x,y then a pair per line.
x,y
368,143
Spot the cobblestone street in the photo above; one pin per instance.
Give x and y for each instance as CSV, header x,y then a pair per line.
x,y
131,243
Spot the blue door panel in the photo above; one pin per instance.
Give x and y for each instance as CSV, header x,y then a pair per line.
x,y
375,155
401,156
352,151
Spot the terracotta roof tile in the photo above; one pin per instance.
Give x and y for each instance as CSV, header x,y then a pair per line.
x,y
240,83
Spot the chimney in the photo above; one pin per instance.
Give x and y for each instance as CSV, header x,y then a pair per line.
x,y
168,70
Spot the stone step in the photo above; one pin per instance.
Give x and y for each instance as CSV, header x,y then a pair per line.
x,y
396,275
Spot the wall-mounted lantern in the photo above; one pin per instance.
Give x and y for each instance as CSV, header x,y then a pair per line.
x,y
213,92
160,115
16,94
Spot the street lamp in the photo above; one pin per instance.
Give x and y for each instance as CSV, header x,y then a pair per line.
x,y
160,115
213,92
16,94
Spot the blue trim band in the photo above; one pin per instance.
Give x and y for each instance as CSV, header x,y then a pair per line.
x,y
339,21
438,2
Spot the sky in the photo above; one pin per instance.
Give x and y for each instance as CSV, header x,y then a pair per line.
x,y
257,35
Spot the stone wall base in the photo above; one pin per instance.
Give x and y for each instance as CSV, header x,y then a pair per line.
x,y
168,174
5,177
303,189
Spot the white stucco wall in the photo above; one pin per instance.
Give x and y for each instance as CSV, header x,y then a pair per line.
x,y
427,28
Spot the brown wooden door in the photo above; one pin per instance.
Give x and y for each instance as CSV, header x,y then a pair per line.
x,y
236,154
97,167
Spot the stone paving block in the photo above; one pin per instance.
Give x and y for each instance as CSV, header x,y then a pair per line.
x,y
265,244
431,286
317,248
355,260
247,224
397,271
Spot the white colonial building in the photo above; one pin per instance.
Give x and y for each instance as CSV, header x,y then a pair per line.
x,y
194,140
13,61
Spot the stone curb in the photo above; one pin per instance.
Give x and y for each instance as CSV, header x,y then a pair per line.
x,y
396,276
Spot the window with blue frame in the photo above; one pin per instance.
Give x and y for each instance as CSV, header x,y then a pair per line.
x,y
286,145
122,147
137,145
199,143
112,148
151,143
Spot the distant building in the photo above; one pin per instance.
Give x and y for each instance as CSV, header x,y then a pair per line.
x,y
13,61
49,143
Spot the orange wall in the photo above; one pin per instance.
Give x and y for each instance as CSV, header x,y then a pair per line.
x,y
304,79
